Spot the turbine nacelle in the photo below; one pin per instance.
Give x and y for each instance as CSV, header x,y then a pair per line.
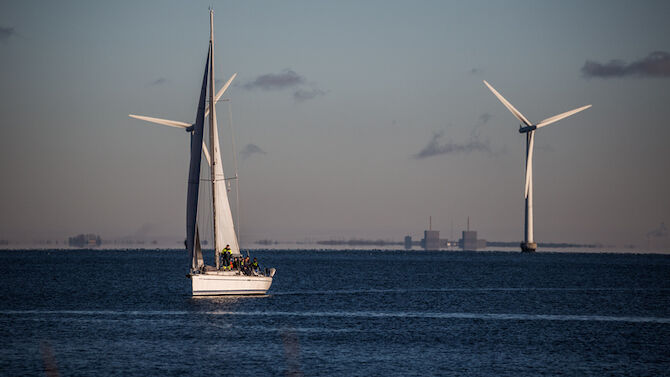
x,y
526,129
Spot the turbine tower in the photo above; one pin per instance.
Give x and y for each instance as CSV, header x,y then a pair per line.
x,y
528,244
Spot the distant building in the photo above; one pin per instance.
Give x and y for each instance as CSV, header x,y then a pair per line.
x,y
431,239
267,242
469,240
408,243
85,240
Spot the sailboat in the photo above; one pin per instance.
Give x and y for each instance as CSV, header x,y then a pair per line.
x,y
212,280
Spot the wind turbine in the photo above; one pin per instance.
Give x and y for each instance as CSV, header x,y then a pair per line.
x,y
188,127
528,244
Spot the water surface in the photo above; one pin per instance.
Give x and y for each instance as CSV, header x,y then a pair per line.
x,y
107,312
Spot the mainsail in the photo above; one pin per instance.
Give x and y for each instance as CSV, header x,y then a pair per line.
x,y
192,238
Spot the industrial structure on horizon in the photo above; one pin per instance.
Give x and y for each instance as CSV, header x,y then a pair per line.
x,y
432,241
85,240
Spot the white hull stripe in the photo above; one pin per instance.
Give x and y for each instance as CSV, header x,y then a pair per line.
x,y
231,292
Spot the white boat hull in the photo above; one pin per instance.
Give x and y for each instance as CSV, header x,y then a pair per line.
x,y
227,283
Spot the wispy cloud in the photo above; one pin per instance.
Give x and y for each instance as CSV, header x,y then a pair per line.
x,y
145,230
250,150
660,232
481,122
301,95
474,144
476,71
274,81
484,118
6,33
286,79
158,81
656,64
434,148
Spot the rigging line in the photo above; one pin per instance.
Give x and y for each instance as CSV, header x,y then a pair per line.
x,y
237,180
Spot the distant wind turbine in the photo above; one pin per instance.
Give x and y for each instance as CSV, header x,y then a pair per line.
x,y
528,244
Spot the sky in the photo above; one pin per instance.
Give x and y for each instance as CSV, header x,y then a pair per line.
x,y
352,119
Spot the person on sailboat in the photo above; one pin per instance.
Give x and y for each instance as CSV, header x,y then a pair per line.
x,y
226,254
254,266
246,266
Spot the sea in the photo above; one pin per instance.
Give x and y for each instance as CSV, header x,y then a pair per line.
x,y
337,313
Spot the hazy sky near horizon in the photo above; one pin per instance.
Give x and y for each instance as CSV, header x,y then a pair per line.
x,y
352,118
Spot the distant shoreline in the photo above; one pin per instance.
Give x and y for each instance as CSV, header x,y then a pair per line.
x,y
568,250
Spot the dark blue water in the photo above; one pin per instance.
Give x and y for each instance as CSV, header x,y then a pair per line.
x,y
362,313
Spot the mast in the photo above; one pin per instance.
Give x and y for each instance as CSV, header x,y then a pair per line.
x,y
222,219
212,133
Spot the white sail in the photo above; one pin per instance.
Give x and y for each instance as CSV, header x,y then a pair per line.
x,y
198,261
224,232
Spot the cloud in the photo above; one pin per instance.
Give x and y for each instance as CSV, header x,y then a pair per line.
x,y
250,150
656,64
274,81
145,230
6,33
286,79
476,71
434,148
660,232
482,121
159,81
301,95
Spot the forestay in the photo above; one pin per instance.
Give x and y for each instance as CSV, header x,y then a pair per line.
x,y
224,228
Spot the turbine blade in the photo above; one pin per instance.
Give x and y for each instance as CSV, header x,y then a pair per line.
x,y
509,106
221,91
206,153
225,86
529,163
165,122
558,117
